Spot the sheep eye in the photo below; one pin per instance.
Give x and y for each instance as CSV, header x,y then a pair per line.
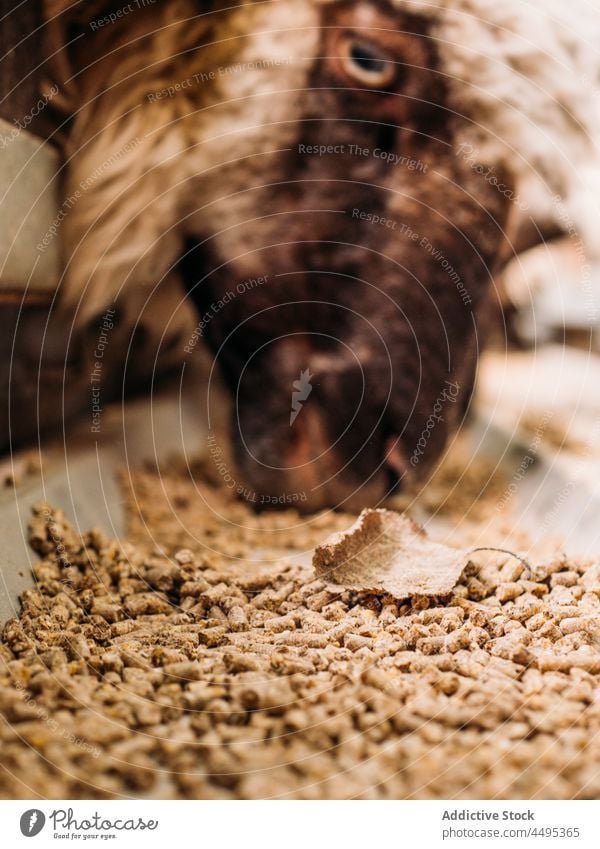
x,y
366,64
366,59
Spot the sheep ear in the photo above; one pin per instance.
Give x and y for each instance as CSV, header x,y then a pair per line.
x,y
65,21
59,18
20,56
72,9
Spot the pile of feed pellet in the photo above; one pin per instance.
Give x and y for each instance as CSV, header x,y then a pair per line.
x,y
224,669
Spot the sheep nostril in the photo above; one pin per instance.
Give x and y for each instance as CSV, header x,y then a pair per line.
x,y
395,459
394,484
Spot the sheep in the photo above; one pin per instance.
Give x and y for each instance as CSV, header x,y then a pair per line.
x,y
377,163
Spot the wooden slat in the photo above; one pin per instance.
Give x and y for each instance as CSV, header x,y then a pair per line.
x,y
29,228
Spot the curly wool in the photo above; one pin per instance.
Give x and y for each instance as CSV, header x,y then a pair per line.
x,y
525,74
524,81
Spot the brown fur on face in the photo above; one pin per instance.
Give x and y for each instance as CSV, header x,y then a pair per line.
x,y
383,317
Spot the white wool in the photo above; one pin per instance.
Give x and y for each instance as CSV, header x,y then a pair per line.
x,y
526,75
524,81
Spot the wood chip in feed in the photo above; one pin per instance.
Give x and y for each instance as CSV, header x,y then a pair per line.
x,y
387,552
